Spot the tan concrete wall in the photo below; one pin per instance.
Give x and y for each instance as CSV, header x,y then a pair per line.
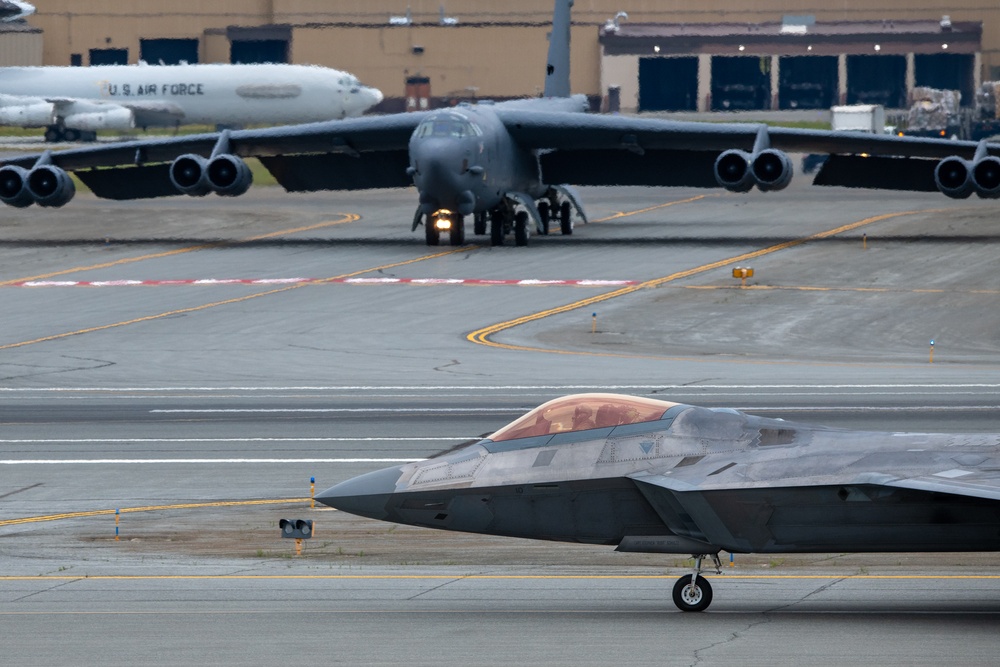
x,y
495,61
498,60
18,49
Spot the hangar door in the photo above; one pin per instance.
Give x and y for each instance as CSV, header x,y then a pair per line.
x,y
741,82
877,80
168,51
668,84
946,71
109,56
807,82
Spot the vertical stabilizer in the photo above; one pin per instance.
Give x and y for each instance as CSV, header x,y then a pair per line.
x,y
557,69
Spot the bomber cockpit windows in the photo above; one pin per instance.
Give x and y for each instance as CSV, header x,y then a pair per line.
x,y
582,412
446,127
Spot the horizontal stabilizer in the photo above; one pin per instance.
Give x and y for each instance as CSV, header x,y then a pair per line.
x,y
340,171
884,173
124,183
693,169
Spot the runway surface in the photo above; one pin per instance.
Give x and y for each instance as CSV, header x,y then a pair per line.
x,y
193,363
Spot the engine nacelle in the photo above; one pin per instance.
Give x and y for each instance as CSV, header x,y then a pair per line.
x,y
772,170
112,118
13,187
41,114
953,177
732,171
49,185
229,175
986,177
188,174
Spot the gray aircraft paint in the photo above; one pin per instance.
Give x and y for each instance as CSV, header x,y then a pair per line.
x,y
697,481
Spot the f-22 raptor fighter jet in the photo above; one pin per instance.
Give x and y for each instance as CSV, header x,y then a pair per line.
x,y
659,477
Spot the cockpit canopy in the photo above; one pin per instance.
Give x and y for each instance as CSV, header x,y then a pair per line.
x,y
447,126
580,412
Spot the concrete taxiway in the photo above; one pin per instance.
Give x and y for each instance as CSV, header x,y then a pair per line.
x,y
193,363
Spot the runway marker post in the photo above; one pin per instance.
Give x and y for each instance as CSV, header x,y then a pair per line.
x,y
312,492
743,273
932,352
593,323
117,513
864,241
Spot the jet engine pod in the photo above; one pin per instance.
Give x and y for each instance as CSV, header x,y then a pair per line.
x,y
187,173
49,185
13,190
986,176
953,177
772,170
28,115
229,175
732,171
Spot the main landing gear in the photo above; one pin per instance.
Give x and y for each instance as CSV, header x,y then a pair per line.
x,y
55,133
692,592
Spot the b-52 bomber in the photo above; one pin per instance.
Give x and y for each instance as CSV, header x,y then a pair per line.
x,y
660,477
508,166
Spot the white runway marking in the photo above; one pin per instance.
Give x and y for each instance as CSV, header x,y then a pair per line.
x,y
14,462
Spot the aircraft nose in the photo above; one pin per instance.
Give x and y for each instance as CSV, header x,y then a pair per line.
x,y
376,95
366,495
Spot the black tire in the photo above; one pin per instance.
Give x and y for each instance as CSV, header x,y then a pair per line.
x,y
521,228
53,134
71,135
496,228
696,598
543,213
457,232
565,219
479,224
431,232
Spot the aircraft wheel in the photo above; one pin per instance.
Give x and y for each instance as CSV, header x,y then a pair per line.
x,y
692,598
53,134
457,232
71,135
521,228
496,228
479,224
565,219
431,232
543,213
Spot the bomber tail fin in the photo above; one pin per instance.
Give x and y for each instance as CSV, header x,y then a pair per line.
x,y
557,68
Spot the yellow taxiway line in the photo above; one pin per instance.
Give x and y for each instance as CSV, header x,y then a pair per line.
x,y
489,577
484,336
151,508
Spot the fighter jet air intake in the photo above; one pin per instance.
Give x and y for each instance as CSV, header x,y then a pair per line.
x,y
654,476
507,167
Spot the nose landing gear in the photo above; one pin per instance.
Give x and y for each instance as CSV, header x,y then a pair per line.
x,y
692,592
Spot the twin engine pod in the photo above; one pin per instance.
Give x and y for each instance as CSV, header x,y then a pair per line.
x,y
226,175
959,178
45,185
739,171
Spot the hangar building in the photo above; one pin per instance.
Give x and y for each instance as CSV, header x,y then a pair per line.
x,y
713,54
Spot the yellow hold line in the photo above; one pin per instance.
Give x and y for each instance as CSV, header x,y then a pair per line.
x,y
151,508
493,577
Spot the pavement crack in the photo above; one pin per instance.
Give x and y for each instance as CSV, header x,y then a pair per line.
x,y
25,488
733,636
48,589
433,589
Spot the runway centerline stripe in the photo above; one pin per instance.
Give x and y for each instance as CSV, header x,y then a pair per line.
x,y
484,336
215,304
347,217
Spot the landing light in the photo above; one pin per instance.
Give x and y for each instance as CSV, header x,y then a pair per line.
x,y
442,220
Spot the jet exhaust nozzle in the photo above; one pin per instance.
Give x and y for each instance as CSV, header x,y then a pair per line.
x,y
732,171
50,186
13,190
228,175
187,173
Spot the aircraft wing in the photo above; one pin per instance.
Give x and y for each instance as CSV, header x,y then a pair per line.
x,y
368,152
742,502
586,149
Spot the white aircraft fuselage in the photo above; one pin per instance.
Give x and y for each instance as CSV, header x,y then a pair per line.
x,y
215,94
